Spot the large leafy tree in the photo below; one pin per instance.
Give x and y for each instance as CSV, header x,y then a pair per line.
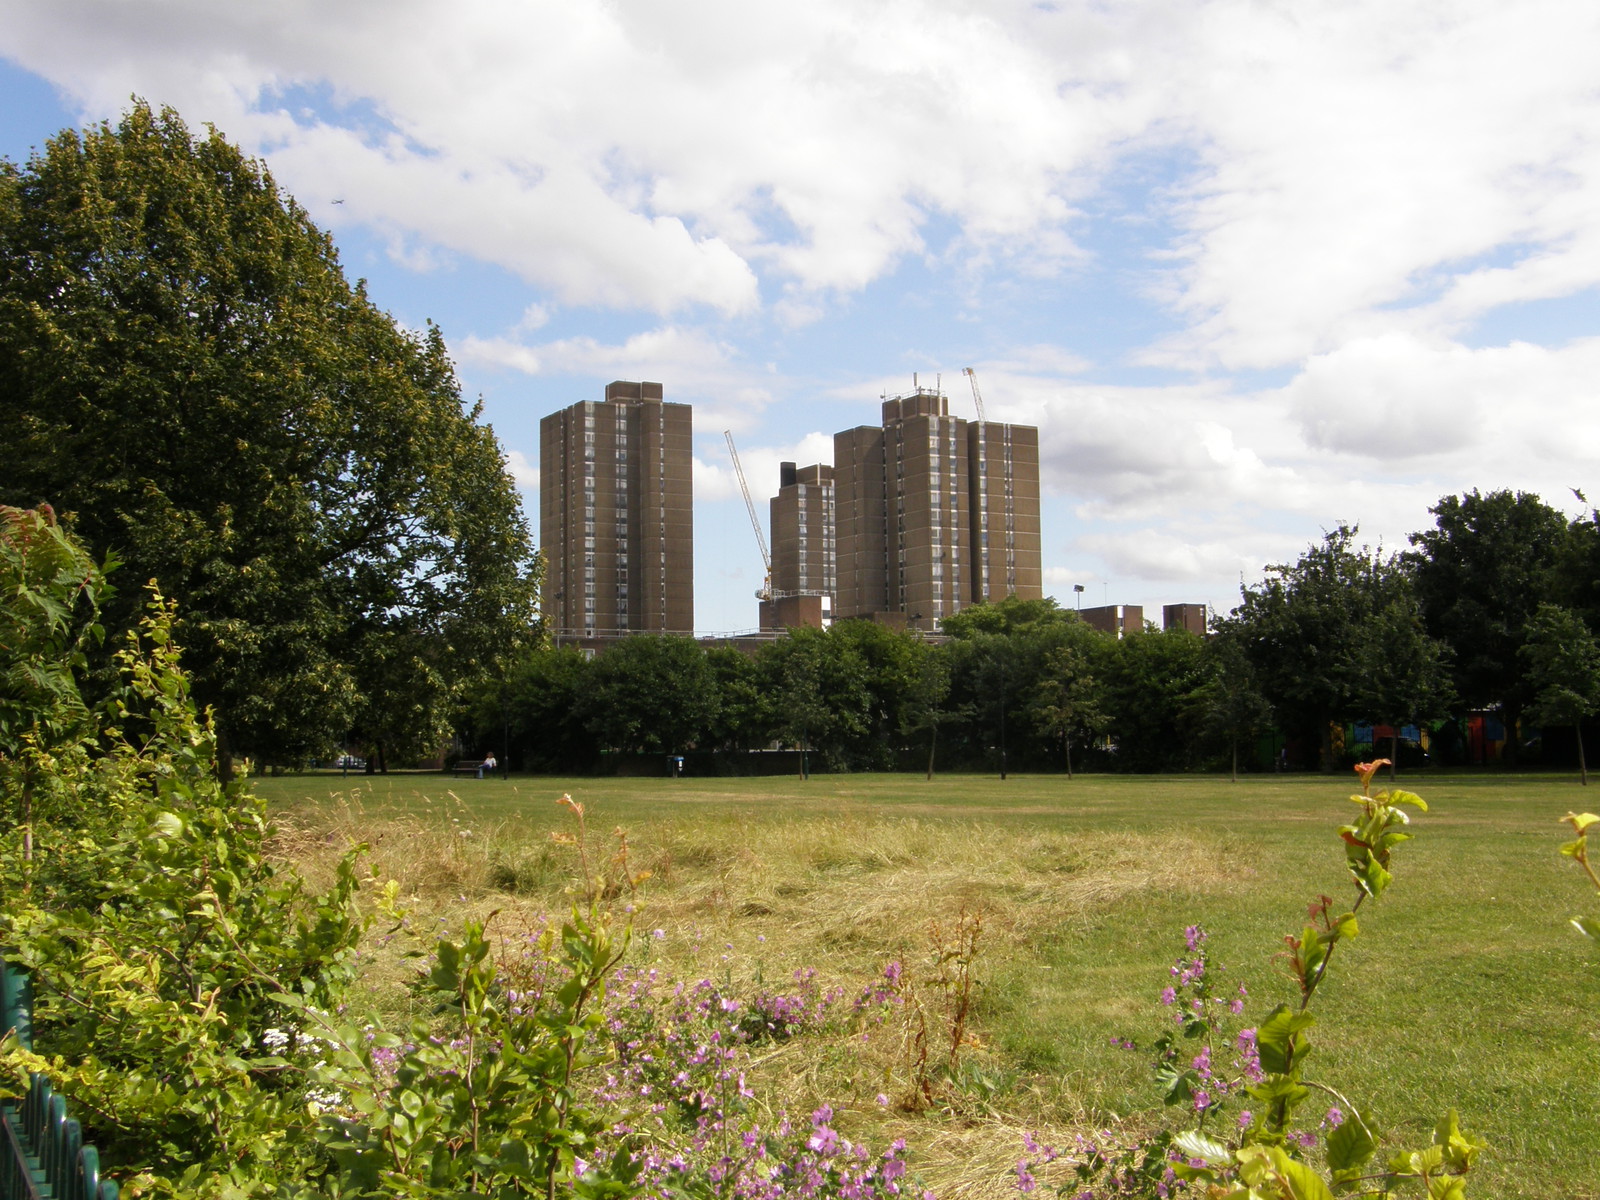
x,y
1067,704
1150,681
1563,664
1337,637
193,383
1480,576
820,699
1000,659
650,693
1229,703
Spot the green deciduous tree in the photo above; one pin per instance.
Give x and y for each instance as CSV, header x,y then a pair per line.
x,y
819,699
191,378
1562,660
1480,574
742,709
1318,631
1067,704
1149,681
1230,704
929,705
650,693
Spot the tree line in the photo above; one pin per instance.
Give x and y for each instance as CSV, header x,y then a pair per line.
x,y
1493,609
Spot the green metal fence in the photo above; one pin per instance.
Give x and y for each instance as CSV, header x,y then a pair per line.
x,y
42,1155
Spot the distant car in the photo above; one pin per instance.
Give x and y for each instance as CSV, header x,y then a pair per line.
x,y
350,762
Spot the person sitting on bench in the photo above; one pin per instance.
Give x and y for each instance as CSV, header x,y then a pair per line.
x,y
487,766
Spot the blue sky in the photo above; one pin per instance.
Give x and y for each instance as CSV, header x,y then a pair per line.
x,y
1253,268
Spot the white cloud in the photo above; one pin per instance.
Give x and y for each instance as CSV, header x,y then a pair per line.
x,y
522,471
1360,158
1129,453
1354,165
501,353
1398,398
687,356
617,154
1163,556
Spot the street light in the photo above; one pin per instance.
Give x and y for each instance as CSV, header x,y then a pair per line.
x,y
1078,588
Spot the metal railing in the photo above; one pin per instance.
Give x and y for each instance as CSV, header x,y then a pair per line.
x,y
42,1155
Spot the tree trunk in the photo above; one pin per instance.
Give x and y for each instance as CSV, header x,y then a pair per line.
x,y
224,757
1327,747
1512,717
1067,744
933,741
1394,751
1233,770
1583,766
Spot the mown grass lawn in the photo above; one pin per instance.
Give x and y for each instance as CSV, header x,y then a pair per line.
x,y
1466,988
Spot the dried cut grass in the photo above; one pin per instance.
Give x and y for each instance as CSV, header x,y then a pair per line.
x,y
747,902
863,889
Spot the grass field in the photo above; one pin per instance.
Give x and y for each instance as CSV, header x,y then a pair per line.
x,y
1467,988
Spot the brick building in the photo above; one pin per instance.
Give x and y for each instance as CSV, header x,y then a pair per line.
x,y
616,515
803,561
934,513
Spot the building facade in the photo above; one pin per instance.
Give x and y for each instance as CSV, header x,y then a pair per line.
x,y
802,530
934,513
1118,619
616,515
1189,617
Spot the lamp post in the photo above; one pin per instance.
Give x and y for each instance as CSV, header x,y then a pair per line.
x,y
1078,595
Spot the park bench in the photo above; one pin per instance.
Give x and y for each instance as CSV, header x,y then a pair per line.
x,y
468,767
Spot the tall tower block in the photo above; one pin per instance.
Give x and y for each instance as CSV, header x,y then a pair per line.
x,y
616,515
934,513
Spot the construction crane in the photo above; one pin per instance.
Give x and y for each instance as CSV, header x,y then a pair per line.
x,y
977,396
755,522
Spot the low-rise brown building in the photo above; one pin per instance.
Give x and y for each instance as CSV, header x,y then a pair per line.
x,y
1191,617
1120,619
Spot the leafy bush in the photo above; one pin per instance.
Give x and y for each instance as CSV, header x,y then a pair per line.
x,y
158,935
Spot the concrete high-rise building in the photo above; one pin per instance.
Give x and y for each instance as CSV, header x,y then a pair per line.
x,y
934,513
802,526
616,515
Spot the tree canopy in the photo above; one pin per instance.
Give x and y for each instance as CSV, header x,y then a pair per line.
x,y
1480,576
1337,636
194,385
1563,665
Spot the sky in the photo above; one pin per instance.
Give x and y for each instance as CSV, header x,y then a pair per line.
x,y
1255,268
